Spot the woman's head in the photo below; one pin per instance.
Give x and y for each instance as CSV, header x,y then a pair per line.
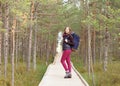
x,y
67,30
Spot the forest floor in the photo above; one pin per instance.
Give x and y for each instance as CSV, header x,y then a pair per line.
x,y
109,78
22,76
32,78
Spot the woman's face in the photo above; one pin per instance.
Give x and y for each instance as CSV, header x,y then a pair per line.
x,y
67,30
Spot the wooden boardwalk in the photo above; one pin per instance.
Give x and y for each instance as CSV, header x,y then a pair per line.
x,y
54,76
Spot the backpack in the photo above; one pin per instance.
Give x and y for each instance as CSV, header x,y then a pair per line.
x,y
76,40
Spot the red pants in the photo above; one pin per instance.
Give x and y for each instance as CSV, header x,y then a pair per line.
x,y
65,60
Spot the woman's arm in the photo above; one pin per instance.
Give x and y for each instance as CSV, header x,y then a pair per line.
x,y
70,40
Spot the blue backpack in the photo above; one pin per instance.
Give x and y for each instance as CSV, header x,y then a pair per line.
x,y
76,40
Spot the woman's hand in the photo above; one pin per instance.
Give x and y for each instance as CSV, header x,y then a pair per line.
x,y
66,40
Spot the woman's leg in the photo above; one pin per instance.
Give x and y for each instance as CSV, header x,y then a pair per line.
x,y
68,60
63,59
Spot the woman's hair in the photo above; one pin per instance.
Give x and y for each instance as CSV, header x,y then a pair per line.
x,y
69,29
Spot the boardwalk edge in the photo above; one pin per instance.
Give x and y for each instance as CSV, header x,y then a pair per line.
x,y
80,76
41,82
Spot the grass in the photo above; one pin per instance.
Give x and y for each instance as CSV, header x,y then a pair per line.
x,y
22,76
33,78
109,78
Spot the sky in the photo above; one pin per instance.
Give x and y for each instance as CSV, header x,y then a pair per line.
x,y
65,0
77,4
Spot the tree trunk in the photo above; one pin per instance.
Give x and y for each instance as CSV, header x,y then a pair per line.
x,y
90,60
40,41
0,52
6,38
29,51
94,47
13,49
106,58
30,37
89,40
89,50
5,53
35,39
47,48
16,50
85,49
0,38
35,46
107,36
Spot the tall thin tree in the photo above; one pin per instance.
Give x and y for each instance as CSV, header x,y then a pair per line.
x,y
6,38
31,33
107,36
0,37
90,60
13,49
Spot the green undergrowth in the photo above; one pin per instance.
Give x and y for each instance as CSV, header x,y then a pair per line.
x,y
109,78
22,76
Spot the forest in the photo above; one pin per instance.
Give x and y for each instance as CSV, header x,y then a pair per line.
x,y
28,39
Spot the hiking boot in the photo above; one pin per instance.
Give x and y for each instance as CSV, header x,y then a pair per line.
x,y
68,75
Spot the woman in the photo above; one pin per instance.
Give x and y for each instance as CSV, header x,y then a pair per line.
x,y
67,43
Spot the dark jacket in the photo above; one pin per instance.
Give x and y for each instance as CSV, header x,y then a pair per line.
x,y
67,45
